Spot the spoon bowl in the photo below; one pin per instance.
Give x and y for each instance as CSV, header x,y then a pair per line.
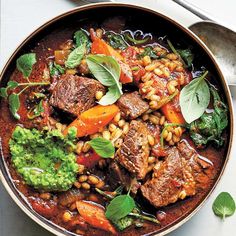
x,y
222,43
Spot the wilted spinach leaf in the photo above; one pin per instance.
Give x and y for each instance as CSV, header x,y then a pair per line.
x,y
187,56
209,127
117,41
149,51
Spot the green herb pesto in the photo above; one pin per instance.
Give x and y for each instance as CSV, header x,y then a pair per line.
x,y
44,159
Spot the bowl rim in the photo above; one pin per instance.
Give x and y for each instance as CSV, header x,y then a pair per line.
x,y
54,228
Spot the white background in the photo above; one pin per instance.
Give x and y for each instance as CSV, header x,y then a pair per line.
x,y
20,17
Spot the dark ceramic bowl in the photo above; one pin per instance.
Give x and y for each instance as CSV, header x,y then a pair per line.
x,y
137,18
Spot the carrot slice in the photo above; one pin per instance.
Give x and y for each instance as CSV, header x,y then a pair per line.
x,y
171,114
95,216
92,120
99,46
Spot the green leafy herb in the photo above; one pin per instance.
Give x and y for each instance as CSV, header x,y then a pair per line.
x,y
81,38
184,54
55,69
36,111
10,85
123,223
14,103
120,207
224,205
136,41
25,63
148,51
107,71
187,56
209,127
117,41
75,56
144,217
102,147
13,99
195,98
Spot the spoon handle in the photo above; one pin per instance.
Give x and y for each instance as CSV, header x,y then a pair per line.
x,y
195,10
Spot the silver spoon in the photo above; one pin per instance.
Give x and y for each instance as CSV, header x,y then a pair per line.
x,y
218,38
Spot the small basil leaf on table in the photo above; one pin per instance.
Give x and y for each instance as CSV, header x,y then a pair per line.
x,y
75,57
224,205
107,71
81,38
14,103
25,63
194,98
102,147
120,207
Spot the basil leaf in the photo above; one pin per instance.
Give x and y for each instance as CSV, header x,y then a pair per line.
x,y
194,98
224,205
111,96
14,103
25,63
3,92
81,38
120,207
102,147
186,55
75,57
55,69
12,84
107,71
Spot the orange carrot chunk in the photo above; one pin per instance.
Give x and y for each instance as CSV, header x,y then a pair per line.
x,y
94,119
95,216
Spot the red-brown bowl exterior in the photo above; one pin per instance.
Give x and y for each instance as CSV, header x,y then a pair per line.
x,y
106,8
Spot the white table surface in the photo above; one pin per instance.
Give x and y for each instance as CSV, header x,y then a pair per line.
x,y
20,17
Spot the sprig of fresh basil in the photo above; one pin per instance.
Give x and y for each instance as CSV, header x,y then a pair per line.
x,y
107,71
102,147
81,38
224,205
25,63
75,56
194,98
14,103
120,207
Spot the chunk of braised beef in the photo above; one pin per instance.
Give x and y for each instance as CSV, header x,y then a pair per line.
x,y
134,151
132,105
74,94
181,174
119,176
